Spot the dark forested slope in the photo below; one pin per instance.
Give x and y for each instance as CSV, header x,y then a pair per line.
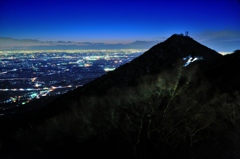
x,y
156,106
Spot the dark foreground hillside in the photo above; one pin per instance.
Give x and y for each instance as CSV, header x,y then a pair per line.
x,y
154,107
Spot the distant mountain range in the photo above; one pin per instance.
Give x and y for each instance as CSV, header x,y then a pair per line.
x,y
34,44
180,99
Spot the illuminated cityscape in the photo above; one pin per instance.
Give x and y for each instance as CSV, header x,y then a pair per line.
x,y
29,75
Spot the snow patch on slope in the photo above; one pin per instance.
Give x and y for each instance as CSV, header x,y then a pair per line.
x,y
189,59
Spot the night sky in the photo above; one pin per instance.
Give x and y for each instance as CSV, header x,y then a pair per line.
x,y
215,23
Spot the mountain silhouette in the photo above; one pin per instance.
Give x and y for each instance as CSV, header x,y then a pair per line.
x,y
160,57
179,99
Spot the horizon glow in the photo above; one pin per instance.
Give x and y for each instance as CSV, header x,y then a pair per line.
x,y
216,24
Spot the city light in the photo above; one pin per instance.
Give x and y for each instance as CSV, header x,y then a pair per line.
x,y
29,75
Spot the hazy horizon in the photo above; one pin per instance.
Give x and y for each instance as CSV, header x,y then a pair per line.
x,y
73,23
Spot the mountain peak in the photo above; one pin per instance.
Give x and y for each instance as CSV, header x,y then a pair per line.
x,y
180,46
174,36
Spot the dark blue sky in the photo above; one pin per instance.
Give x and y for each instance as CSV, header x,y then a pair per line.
x,y
215,23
